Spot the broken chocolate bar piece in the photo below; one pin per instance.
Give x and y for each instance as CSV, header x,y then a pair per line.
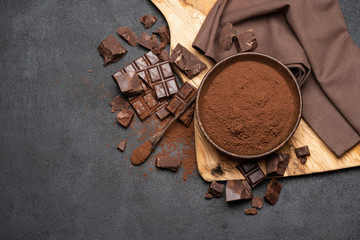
x,y
142,62
237,190
227,34
251,171
158,48
208,195
216,189
163,33
125,117
302,151
111,49
276,164
145,104
161,79
273,190
147,42
251,211
164,55
179,100
129,83
171,163
187,116
303,160
162,113
121,146
247,41
119,103
257,202
128,35
186,61
148,20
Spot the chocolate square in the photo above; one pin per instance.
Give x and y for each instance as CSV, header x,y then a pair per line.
x,y
174,105
302,151
171,163
237,190
251,171
162,113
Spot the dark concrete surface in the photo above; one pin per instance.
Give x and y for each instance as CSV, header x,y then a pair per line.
x,y
59,179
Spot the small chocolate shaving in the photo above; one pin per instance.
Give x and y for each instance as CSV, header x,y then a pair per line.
x,y
251,211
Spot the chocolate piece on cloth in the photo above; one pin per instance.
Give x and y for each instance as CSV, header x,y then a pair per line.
x,y
171,163
302,151
227,34
330,104
125,117
247,41
161,79
251,211
148,20
118,103
122,145
276,164
111,49
257,202
128,35
163,33
142,62
129,83
237,190
273,190
186,61
215,190
251,171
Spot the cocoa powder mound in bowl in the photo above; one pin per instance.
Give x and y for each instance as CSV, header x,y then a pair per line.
x,y
249,105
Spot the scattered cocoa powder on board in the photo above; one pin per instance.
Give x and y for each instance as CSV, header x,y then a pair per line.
x,y
248,108
140,154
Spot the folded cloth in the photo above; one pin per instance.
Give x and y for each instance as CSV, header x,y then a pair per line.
x,y
312,39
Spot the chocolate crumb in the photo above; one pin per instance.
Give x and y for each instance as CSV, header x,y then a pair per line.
x,y
148,20
121,146
251,211
257,202
273,190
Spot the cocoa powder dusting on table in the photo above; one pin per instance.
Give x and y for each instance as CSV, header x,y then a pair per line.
x,y
249,108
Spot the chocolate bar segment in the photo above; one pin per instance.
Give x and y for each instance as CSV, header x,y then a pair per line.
x,y
276,164
121,146
179,100
171,163
216,189
186,61
237,190
251,171
129,83
302,151
148,20
273,190
128,35
111,49
187,116
161,79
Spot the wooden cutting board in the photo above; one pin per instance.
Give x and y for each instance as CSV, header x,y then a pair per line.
x,y
185,18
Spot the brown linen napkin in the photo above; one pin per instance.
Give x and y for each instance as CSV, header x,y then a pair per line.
x,y
311,38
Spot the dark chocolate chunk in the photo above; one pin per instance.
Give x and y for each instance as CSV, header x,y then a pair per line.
x,y
129,83
163,33
302,151
161,79
121,146
171,163
164,55
148,20
187,116
251,171
257,202
118,103
237,190
125,117
158,48
145,104
276,164
251,211
142,62
227,34
273,190
303,160
216,189
186,61
111,49
247,41
146,41
162,113
128,35
179,100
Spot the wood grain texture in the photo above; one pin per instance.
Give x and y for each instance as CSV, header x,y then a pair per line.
x,y
185,19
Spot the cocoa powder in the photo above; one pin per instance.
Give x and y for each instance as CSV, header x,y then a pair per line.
x,y
140,154
248,108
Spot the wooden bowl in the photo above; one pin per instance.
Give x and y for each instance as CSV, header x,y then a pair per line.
x,y
264,59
